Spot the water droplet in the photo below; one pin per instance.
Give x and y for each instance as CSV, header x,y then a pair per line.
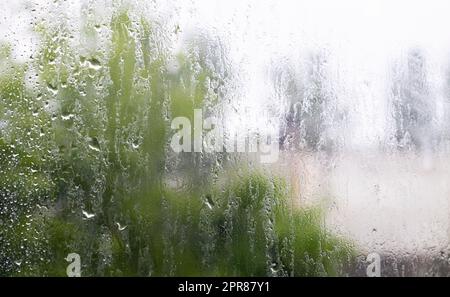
x,y
92,63
120,227
93,144
209,202
67,117
53,89
87,215
135,144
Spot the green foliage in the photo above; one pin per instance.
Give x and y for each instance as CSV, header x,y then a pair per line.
x,y
262,234
83,169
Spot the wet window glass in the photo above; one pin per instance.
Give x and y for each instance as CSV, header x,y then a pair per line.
x,y
224,138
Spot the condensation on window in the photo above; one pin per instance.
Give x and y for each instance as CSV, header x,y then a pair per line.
x,y
224,138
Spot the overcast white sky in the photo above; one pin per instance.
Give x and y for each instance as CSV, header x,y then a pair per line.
x,y
362,38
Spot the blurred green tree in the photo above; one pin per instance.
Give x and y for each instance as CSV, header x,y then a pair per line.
x,y
85,154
